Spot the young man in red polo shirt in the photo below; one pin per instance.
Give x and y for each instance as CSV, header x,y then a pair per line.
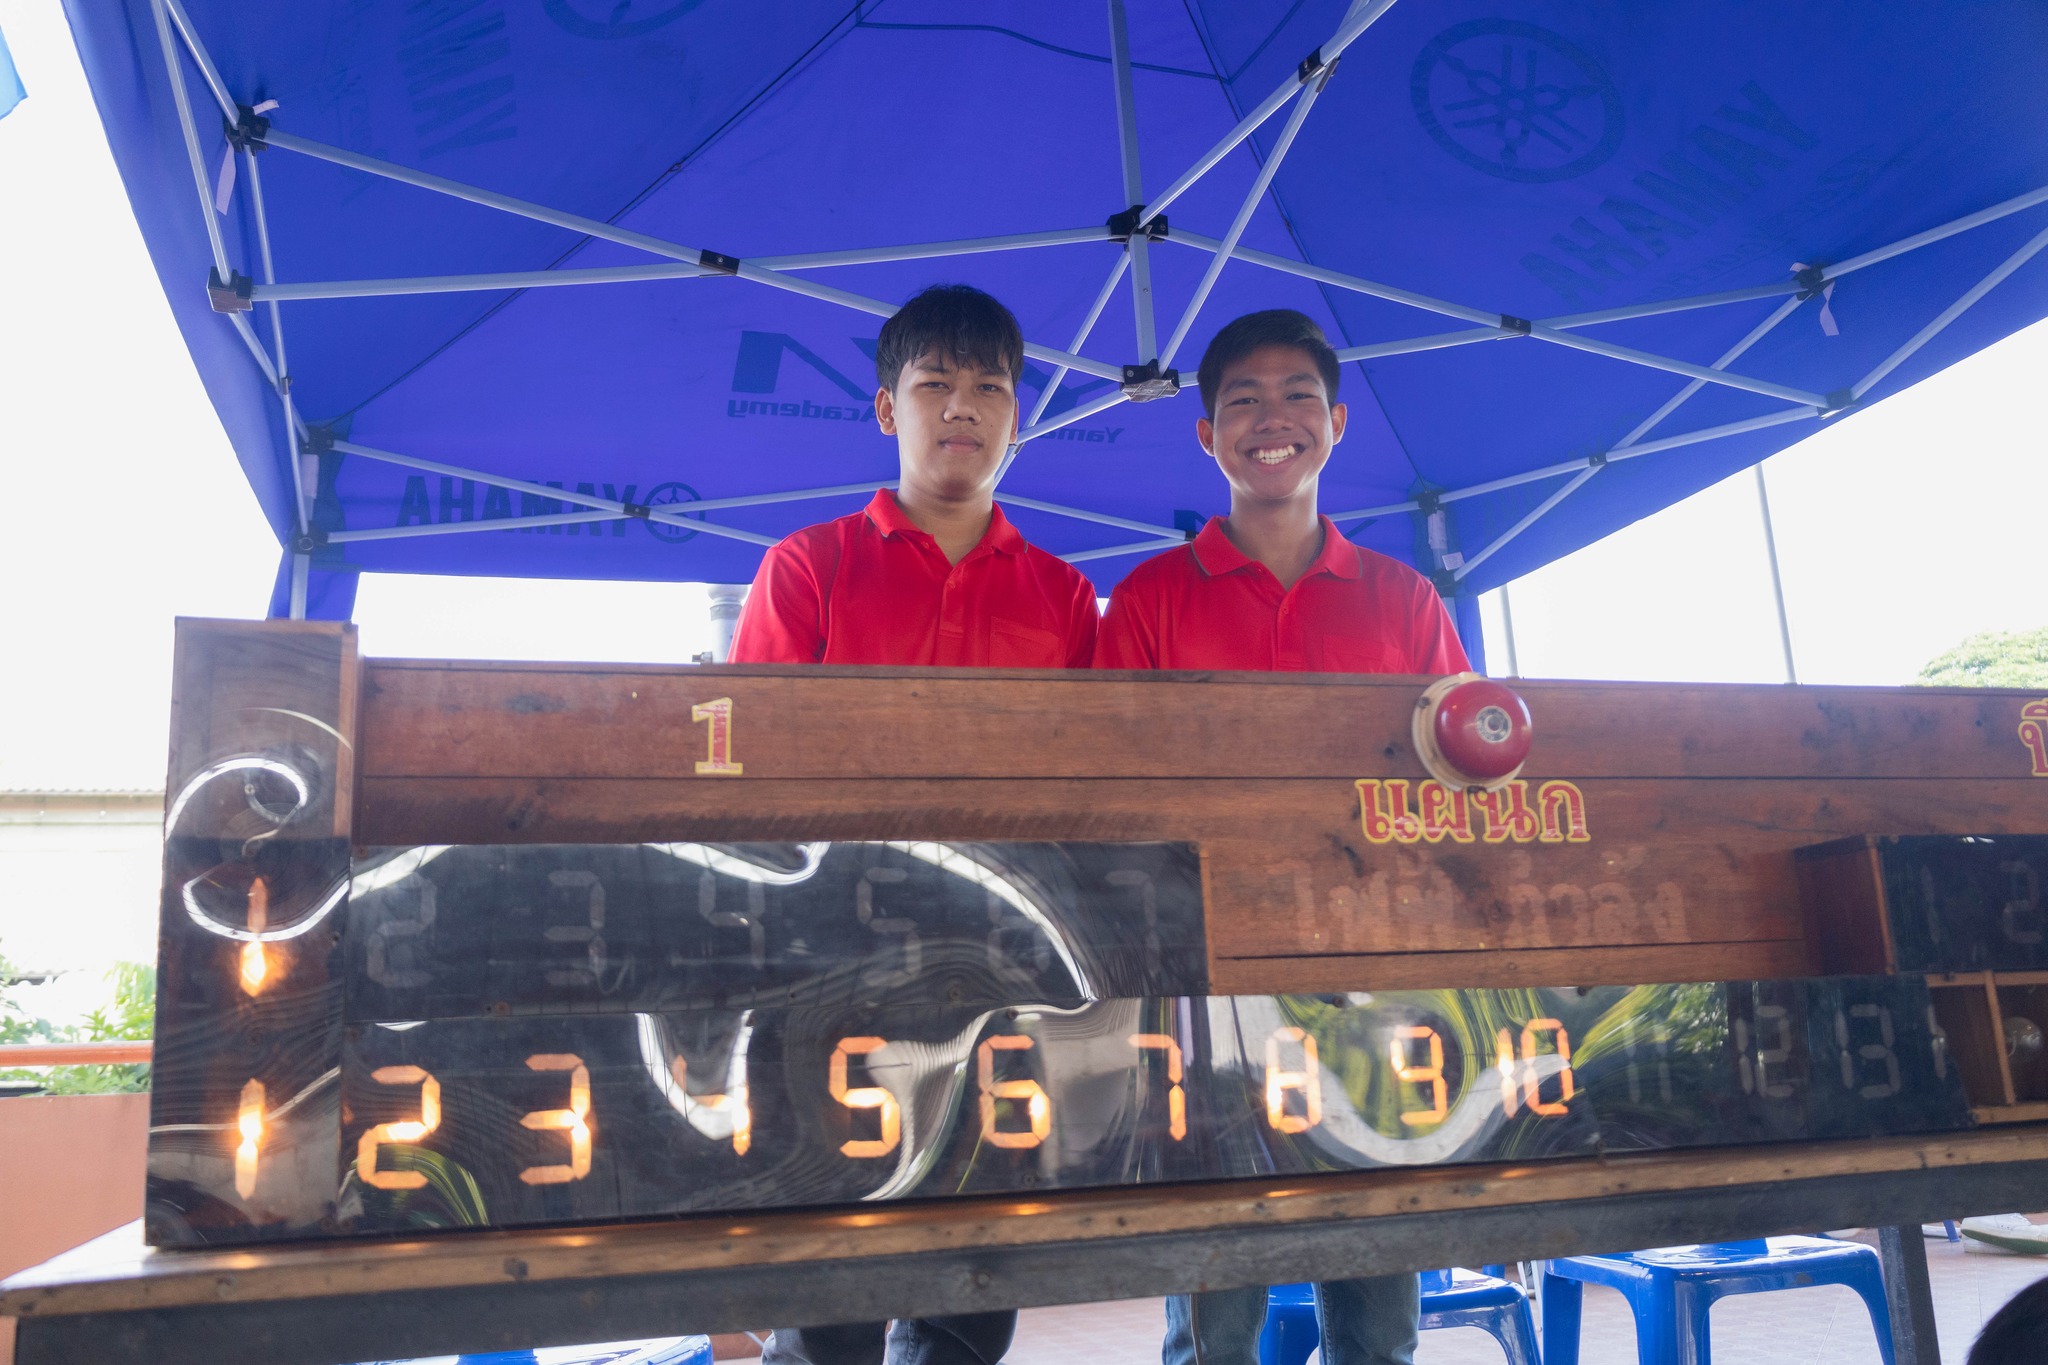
x,y
1275,586
932,573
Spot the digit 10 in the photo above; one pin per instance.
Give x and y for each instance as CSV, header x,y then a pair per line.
x,y
1036,1106
1308,1080
1531,1083
866,1097
1431,1075
718,715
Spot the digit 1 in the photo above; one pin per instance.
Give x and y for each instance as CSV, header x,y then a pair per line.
x,y
1504,1062
1036,1106
406,1130
865,1097
718,715
735,1096
1176,1102
255,961
1531,1083
249,1123
1431,1075
1308,1080
575,1120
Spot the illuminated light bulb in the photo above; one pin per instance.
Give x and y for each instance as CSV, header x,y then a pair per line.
x,y
255,961
249,1123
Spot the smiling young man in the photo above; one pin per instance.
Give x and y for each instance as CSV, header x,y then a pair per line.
x,y
1275,586
933,573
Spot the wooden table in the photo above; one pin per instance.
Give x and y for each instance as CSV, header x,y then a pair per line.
x,y
114,1299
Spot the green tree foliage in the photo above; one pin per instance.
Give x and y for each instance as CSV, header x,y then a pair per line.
x,y
127,1017
1994,659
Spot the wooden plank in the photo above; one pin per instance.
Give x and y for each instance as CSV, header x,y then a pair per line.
x,y
116,1274
455,719
1288,871
1760,960
1848,923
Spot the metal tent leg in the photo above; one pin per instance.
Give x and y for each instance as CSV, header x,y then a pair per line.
x,y
1911,1298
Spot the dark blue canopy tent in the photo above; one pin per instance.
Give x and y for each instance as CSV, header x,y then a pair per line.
x,y
1585,258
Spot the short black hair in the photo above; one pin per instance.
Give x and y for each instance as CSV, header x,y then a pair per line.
x,y
1254,331
2015,1334
954,321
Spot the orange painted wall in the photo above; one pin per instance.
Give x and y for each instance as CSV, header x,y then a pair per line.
x,y
71,1168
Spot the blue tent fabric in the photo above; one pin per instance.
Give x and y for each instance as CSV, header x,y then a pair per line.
x,y
1551,159
11,90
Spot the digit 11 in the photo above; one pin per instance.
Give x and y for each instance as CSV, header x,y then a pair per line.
x,y
718,715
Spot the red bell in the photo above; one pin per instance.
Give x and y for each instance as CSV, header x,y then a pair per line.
x,y
1472,731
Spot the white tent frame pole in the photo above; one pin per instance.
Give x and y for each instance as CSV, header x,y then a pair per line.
x,y
1072,415
301,504
591,227
1951,313
2016,204
1763,503
1134,548
1304,102
1733,353
1536,514
207,70
1100,518
1441,340
1134,183
541,490
1123,263
182,99
1360,17
301,570
1684,367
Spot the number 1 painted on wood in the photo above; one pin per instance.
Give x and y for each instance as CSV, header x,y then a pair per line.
x,y
718,714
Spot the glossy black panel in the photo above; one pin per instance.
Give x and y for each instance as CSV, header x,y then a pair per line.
x,y
539,1120
437,933
1967,903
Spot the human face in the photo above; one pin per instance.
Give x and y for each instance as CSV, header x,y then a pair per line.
x,y
1274,426
951,425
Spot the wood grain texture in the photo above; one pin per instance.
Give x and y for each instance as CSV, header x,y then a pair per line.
x,y
428,719
116,1274
1289,875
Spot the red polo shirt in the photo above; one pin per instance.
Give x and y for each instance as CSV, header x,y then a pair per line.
x,y
1208,605
872,588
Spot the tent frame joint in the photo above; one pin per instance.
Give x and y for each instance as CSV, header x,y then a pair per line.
x,y
1514,326
1131,221
247,130
1313,66
310,541
318,440
718,261
1143,383
235,294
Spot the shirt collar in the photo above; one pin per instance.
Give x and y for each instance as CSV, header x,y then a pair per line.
x,y
1217,555
890,519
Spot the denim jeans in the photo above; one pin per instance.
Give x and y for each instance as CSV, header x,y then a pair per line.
x,y
962,1339
1363,1322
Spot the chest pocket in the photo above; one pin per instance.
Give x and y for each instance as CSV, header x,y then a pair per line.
x,y
1342,655
1012,644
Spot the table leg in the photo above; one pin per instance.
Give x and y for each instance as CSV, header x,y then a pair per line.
x,y
1906,1290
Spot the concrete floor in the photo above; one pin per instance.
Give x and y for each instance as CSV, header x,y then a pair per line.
x,y
1821,1326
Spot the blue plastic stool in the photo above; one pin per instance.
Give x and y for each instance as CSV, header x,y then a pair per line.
x,y
1450,1298
1670,1290
657,1351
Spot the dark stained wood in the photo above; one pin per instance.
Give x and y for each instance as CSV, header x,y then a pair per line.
x,y
1755,960
525,720
116,1274
1967,1007
1848,924
1289,875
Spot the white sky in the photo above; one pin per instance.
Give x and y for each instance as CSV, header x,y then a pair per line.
x,y
125,508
